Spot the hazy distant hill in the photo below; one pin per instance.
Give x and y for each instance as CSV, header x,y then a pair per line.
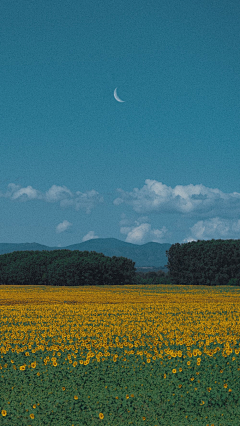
x,y
150,254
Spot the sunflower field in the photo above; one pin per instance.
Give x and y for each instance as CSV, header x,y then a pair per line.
x,y
120,355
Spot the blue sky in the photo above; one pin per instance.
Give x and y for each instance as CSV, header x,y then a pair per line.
x,y
75,164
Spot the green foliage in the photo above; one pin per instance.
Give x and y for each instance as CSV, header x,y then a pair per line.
x,y
212,262
234,281
125,392
65,268
152,278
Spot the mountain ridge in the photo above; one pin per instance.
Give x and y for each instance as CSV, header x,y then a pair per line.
x,y
151,255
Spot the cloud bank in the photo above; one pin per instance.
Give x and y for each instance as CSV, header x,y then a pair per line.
x,y
80,200
218,212
196,212
190,200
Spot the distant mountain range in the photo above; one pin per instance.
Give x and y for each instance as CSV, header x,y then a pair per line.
x,y
149,256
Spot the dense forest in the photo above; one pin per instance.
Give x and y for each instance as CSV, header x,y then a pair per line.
x,y
64,268
70,268
212,262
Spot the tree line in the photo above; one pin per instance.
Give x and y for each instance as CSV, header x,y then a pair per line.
x,y
65,268
71,268
210,262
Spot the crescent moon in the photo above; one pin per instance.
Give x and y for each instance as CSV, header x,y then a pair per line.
x,y
116,96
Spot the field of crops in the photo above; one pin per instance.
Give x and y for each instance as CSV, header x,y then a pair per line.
x,y
150,355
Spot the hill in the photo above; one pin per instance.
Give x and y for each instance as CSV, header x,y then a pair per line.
x,y
148,256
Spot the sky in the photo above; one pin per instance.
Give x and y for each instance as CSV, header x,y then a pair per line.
x,y
77,164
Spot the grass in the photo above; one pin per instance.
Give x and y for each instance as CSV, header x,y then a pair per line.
x,y
150,355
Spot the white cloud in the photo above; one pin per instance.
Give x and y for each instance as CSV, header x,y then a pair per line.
x,y
80,200
23,194
138,234
214,228
188,200
63,226
57,193
89,236
126,221
143,233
